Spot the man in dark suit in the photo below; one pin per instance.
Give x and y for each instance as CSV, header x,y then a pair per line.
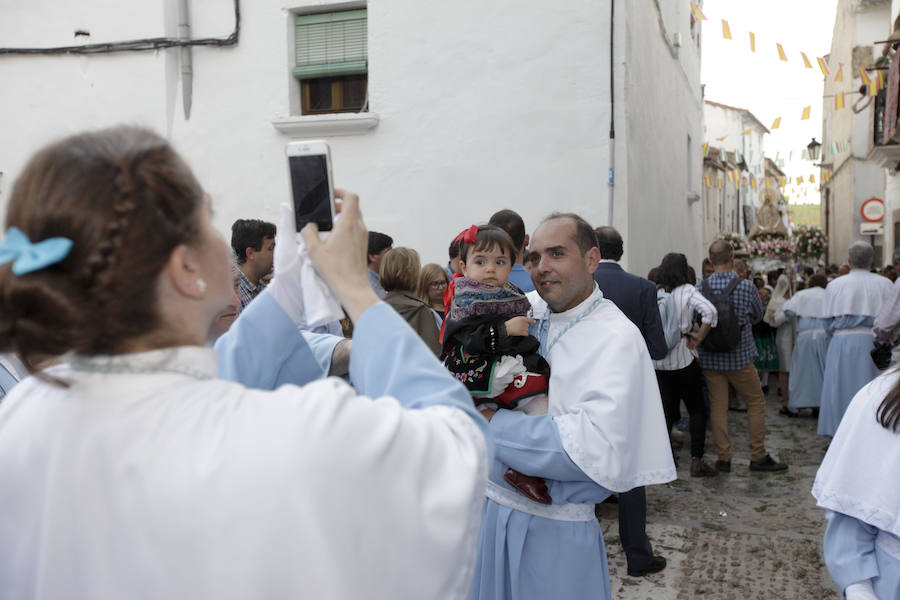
x,y
636,297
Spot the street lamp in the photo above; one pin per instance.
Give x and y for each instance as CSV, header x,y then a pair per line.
x,y
813,150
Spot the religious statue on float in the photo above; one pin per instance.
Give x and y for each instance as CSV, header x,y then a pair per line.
x,y
769,224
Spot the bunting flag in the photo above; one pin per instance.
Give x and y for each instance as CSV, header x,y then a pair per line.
x,y
812,178
776,123
730,176
827,176
753,183
721,139
697,12
824,67
726,30
781,181
863,75
805,115
832,148
873,87
752,42
747,131
705,150
839,101
840,73
720,183
707,180
804,155
806,62
781,53
880,79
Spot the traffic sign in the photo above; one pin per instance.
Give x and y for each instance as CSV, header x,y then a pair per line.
x,y
871,229
873,210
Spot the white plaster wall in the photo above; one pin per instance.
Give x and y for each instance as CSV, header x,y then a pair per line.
x,y
482,106
663,109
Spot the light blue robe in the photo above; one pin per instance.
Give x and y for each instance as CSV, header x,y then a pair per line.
x,y
808,362
525,557
264,350
848,367
852,555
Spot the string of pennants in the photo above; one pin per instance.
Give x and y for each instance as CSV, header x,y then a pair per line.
x,y
874,82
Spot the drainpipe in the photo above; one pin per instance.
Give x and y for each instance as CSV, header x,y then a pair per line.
x,y
612,111
187,63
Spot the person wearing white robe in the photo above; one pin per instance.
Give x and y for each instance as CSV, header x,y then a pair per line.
x,y
858,486
605,432
147,476
850,305
808,358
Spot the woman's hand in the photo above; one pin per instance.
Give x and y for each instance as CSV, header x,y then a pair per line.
x,y
518,326
341,259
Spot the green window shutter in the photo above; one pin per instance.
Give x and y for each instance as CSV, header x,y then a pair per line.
x,y
331,44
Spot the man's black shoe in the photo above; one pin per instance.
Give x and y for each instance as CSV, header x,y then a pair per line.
x,y
656,564
723,466
767,464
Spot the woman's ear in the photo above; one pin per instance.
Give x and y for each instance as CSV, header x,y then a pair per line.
x,y
182,271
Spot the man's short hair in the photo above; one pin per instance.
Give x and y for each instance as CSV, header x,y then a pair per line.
x,y
453,250
378,242
817,281
249,233
861,254
720,253
510,222
610,243
584,237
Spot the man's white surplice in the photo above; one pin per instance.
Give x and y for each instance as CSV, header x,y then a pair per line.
x,y
604,396
147,477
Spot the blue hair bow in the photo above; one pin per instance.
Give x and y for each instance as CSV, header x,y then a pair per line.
x,y
30,257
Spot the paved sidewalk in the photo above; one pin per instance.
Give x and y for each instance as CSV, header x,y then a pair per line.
x,y
736,536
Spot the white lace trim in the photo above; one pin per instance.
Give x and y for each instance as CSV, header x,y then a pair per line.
x,y
858,509
853,331
596,471
557,512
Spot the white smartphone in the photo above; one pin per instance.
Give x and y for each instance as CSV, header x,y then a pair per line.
x,y
309,163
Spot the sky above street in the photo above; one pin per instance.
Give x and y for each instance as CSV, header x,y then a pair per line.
x,y
761,82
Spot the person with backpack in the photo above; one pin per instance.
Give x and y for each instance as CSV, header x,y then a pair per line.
x,y
678,373
726,357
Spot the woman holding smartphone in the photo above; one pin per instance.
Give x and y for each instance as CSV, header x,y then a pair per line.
x,y
127,468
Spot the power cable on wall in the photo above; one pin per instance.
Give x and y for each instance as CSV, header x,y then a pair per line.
x,y
141,45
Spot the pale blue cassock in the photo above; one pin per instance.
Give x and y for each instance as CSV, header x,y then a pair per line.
x,y
810,348
850,305
858,487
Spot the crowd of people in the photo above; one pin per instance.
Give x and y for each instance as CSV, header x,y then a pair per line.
x,y
186,431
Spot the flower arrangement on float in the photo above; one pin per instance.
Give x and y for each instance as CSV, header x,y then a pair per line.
x,y
778,249
811,242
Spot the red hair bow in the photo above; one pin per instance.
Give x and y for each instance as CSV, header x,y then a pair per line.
x,y
448,300
468,236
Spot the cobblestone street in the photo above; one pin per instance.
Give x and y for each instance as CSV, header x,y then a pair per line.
x,y
736,536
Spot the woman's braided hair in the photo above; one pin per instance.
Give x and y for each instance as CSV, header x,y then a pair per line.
x,y
126,200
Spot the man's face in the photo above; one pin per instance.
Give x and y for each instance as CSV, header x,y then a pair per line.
x,y
562,275
264,257
375,259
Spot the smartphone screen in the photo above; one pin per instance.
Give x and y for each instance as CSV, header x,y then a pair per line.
x,y
309,183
